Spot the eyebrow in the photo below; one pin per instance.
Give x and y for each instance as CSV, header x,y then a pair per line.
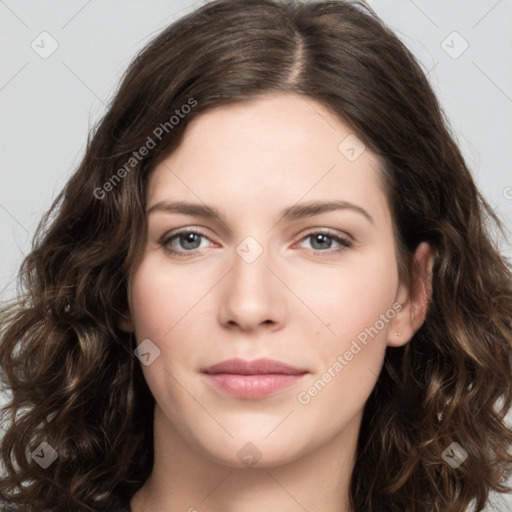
x,y
294,212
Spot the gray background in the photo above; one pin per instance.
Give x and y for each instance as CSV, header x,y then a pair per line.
x,y
48,105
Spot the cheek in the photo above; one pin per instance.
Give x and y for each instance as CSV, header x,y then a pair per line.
x,y
355,305
349,299
162,306
160,298
159,306
166,307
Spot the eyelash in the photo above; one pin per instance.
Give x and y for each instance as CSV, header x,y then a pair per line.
x,y
344,243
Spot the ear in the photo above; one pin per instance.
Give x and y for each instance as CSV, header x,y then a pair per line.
x,y
414,300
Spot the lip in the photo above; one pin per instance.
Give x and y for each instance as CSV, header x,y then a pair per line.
x,y
252,379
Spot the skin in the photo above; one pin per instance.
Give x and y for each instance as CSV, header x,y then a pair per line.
x,y
299,302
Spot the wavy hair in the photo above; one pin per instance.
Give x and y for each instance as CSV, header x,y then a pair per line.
x,y
73,379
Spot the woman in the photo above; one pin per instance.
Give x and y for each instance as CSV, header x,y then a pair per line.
x,y
260,368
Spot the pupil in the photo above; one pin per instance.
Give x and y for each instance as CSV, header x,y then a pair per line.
x,y
321,238
188,238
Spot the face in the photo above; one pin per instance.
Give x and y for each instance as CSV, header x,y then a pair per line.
x,y
270,276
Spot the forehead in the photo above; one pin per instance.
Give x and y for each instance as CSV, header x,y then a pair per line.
x,y
269,152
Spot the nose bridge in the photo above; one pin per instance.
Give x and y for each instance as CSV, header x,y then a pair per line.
x,y
250,250
250,274
251,294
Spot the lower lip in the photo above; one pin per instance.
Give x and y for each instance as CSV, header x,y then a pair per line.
x,y
251,386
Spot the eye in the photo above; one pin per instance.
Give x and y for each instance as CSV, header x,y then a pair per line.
x,y
322,240
189,239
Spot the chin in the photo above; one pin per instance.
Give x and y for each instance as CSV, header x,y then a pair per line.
x,y
254,451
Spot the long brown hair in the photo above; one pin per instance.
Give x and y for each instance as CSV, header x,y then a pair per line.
x,y
74,380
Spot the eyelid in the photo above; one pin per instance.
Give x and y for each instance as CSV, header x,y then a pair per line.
x,y
167,237
309,231
344,240
327,231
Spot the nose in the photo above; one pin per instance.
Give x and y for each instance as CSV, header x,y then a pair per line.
x,y
252,295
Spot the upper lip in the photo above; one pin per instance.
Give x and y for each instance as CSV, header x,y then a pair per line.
x,y
254,367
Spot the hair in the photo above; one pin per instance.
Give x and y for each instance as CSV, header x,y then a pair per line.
x,y
74,380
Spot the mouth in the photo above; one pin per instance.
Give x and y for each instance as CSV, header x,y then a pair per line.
x,y
252,379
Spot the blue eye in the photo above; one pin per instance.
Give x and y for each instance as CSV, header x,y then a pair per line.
x,y
190,240
323,237
187,237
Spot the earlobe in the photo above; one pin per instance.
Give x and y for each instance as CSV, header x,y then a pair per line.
x,y
399,332
415,301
